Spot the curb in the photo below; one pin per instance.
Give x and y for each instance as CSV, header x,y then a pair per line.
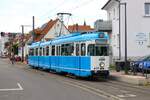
x,y
137,80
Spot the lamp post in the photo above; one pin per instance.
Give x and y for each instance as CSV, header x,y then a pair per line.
x,y
125,57
22,44
126,61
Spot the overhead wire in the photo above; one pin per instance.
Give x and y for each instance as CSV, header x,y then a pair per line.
x,y
81,5
54,9
62,4
71,10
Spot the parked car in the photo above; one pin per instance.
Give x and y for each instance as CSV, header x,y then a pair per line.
x,y
141,64
17,58
145,66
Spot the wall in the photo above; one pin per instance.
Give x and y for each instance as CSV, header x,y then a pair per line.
x,y
55,30
138,31
3,40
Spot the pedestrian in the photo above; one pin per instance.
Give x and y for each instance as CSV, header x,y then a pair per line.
x,y
12,58
26,59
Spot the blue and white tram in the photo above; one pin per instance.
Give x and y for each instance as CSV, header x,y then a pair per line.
x,y
80,54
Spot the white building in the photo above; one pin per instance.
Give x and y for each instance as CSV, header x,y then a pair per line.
x,y
57,29
3,39
50,30
138,27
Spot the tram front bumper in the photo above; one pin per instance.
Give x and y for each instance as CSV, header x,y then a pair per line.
x,y
100,72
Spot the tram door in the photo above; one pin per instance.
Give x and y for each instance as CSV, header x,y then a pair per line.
x,y
81,57
78,58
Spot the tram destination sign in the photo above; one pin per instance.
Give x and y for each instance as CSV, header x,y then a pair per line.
x,y
101,41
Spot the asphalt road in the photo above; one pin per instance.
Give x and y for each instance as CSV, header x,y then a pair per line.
x,y
20,82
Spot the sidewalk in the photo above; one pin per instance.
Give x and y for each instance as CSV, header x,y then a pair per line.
x,y
18,62
138,79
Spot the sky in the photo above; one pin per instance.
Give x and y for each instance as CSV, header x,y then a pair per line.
x,y
14,13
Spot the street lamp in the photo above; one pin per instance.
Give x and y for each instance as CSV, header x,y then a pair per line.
x,y
125,57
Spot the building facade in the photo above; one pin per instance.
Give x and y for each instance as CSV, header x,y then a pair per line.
x,y
50,30
4,38
137,21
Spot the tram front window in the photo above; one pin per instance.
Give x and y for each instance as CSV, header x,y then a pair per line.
x,y
97,50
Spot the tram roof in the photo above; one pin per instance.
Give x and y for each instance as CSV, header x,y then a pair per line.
x,y
79,38
75,37
36,44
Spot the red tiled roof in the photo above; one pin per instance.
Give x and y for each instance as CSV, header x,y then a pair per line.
x,y
37,31
79,28
41,33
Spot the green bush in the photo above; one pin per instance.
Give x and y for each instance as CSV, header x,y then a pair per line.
x,y
112,67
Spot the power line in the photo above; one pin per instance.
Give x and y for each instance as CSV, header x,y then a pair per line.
x,y
57,9
54,9
81,5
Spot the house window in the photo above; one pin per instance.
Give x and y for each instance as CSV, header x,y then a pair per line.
x,y
147,8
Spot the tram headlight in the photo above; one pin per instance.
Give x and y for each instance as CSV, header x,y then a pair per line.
x,y
102,64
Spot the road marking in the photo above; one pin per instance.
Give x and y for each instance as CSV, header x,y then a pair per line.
x,y
13,89
126,95
94,91
121,96
20,87
131,95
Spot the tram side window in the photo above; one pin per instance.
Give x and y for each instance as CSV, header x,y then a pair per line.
x,y
63,50
40,51
91,51
58,50
102,51
70,49
83,49
36,52
96,50
47,51
77,50
31,52
67,49
53,50
43,51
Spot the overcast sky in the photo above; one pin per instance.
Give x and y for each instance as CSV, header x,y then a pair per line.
x,y
14,13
